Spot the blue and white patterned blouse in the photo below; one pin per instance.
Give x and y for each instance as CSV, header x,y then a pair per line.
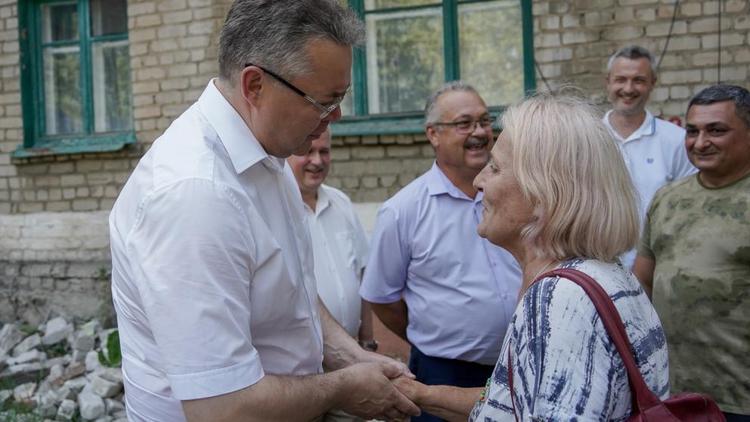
x,y
565,367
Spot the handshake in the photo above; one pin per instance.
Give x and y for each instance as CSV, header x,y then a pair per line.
x,y
385,389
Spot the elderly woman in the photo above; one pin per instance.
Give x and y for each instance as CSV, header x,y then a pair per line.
x,y
557,195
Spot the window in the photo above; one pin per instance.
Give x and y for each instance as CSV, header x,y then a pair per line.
x,y
414,46
75,77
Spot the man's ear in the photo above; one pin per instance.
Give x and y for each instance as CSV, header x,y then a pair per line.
x,y
432,135
251,84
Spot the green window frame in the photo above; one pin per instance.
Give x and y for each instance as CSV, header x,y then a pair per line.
x,y
92,130
362,122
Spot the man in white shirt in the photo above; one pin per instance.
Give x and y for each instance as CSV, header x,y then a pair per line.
x,y
653,148
212,276
339,246
339,241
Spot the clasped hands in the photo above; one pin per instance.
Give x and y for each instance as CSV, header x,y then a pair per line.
x,y
382,388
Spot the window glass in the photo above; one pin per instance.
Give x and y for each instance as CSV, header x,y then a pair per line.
x,y
383,4
404,58
347,106
108,17
77,93
492,59
59,22
111,83
62,98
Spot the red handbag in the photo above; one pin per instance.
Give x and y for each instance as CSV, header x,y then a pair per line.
x,y
691,407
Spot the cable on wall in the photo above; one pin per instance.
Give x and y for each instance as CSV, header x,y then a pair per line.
x,y
669,35
718,49
539,70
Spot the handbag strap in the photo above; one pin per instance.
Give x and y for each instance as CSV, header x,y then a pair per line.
x,y
643,397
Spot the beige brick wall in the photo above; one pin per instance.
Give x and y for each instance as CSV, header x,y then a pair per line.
x,y
54,251
11,125
53,232
173,47
173,55
373,168
54,263
574,39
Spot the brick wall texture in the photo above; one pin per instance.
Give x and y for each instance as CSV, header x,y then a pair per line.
x,y
54,263
173,55
173,47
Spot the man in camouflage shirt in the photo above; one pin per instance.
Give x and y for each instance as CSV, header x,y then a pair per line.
x,y
694,256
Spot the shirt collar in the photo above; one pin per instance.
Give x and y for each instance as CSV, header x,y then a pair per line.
x,y
242,146
438,184
323,201
647,128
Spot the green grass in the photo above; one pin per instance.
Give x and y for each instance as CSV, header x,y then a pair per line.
x,y
12,411
56,350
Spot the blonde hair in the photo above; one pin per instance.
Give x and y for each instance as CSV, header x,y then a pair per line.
x,y
571,170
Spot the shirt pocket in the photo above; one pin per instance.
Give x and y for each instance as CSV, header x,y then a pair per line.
x,y
345,246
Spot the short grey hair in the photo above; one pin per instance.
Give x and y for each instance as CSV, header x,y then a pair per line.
x,y
431,113
571,170
273,33
633,52
724,92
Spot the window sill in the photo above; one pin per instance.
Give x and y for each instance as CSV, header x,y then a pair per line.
x,y
392,124
66,146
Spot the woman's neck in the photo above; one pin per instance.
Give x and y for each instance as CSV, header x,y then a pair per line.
x,y
533,266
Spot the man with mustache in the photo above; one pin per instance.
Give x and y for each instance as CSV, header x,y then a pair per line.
x,y
339,247
431,279
652,148
694,255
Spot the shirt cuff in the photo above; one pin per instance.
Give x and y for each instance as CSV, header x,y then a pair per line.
x,y
216,382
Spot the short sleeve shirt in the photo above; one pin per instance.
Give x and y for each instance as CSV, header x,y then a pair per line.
x,y
212,275
654,155
700,240
460,290
565,366
340,250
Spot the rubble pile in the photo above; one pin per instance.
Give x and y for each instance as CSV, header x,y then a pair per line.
x,y
56,371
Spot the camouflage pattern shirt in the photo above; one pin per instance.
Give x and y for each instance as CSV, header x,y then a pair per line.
x,y
700,240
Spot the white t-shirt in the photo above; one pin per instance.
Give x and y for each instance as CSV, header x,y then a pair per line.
x,y
655,155
212,275
340,250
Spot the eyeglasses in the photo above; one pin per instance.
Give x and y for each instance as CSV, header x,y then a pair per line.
x,y
467,126
324,109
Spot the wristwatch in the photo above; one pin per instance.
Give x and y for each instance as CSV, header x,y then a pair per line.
x,y
371,345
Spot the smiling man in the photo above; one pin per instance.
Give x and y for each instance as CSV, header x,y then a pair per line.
x,y
694,257
339,247
652,148
212,274
431,279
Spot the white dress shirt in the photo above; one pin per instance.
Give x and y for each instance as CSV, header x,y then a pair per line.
x,y
460,290
340,250
655,155
212,276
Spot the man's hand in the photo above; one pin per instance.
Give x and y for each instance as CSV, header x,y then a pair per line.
x,y
371,394
367,356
